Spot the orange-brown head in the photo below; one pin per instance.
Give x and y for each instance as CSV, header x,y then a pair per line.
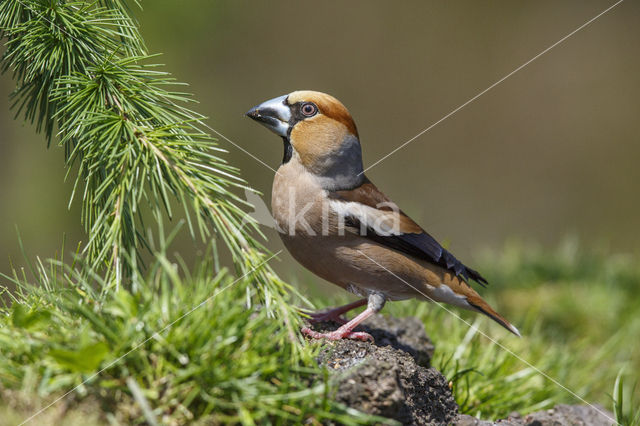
x,y
318,131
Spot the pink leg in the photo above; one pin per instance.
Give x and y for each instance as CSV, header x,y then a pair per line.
x,y
335,314
344,331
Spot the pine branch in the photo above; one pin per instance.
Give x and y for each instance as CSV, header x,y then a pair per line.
x,y
82,69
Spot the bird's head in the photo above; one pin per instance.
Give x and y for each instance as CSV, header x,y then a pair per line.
x,y
318,131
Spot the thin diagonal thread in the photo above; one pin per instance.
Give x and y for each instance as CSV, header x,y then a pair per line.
x,y
493,85
509,351
40,15
153,336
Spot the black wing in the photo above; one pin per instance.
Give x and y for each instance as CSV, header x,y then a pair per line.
x,y
423,246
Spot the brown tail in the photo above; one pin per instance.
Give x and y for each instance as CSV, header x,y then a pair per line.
x,y
484,307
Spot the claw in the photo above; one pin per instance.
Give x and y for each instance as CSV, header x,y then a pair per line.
x,y
346,330
360,335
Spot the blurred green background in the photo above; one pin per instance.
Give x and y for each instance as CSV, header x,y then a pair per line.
x,y
551,152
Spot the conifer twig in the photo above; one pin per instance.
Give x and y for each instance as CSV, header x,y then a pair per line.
x,y
83,75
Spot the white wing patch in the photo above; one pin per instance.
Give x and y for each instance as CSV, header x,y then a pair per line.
x,y
446,295
383,222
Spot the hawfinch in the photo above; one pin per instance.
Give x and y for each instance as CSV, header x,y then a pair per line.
x,y
340,226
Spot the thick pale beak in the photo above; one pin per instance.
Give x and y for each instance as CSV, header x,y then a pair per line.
x,y
273,114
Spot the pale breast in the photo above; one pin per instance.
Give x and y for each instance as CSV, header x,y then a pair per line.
x,y
298,201
309,228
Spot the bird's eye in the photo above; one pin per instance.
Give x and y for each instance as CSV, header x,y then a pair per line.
x,y
309,109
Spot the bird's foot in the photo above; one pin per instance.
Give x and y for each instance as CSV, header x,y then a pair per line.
x,y
335,314
338,334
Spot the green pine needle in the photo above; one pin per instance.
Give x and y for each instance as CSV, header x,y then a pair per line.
x,y
134,145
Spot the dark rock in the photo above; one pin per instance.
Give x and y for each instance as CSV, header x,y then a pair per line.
x,y
405,334
386,379
391,378
560,415
466,420
575,415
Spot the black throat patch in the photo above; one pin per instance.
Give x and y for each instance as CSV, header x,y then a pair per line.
x,y
288,150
